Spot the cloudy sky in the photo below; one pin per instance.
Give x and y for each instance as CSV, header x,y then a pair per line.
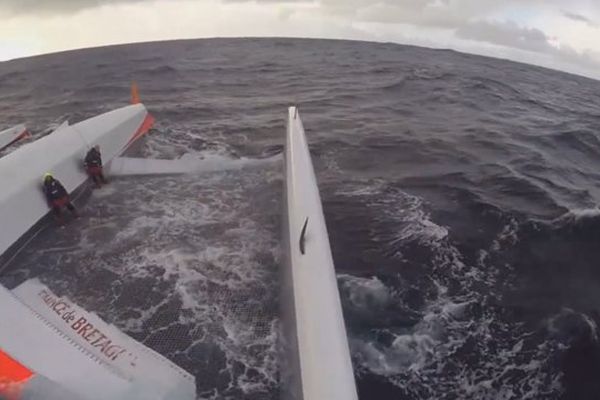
x,y
561,34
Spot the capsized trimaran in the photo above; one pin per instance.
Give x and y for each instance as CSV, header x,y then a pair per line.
x,y
53,349
61,153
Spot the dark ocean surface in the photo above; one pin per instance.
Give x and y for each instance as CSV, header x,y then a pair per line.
x,y
461,196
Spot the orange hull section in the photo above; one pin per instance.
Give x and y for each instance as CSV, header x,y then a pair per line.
x,y
12,377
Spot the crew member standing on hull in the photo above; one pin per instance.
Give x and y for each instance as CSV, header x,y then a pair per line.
x,y
93,165
57,197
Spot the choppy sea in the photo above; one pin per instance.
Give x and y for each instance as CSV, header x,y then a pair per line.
x,y
460,192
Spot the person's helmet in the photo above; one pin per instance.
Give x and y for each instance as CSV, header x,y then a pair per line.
x,y
47,176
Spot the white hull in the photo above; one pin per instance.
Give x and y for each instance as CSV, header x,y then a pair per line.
x,y
317,342
72,354
61,153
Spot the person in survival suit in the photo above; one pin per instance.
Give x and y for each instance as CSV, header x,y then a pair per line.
x,y
93,165
57,197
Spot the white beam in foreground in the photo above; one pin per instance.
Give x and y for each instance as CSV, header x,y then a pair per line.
x,y
323,355
188,164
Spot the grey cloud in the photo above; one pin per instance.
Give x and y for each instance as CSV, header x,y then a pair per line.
x,y
506,34
69,6
579,18
428,14
466,19
434,13
511,35
445,14
54,6
268,1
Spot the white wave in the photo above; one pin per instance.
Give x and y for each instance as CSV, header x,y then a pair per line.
x,y
578,215
373,187
508,236
585,213
555,323
413,223
415,358
407,353
365,294
593,326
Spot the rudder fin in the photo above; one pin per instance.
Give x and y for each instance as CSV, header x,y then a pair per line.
x,y
135,96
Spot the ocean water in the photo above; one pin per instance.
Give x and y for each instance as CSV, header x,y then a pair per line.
x,y
461,196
